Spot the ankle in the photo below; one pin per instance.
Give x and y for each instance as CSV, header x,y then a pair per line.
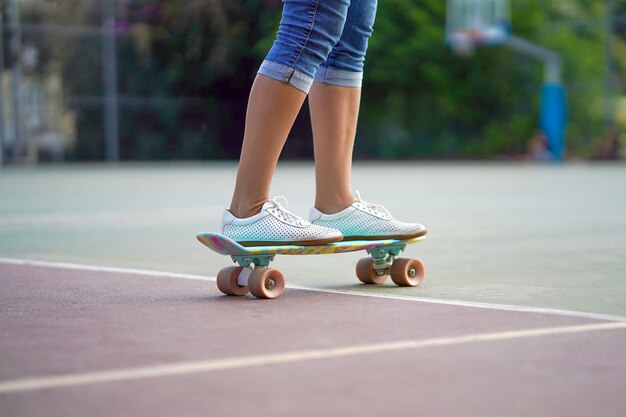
x,y
333,205
244,210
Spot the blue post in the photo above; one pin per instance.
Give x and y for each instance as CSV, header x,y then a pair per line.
x,y
553,118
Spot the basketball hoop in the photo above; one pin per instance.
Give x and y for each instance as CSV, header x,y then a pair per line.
x,y
464,42
472,23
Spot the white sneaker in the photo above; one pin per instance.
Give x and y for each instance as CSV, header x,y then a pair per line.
x,y
275,225
365,221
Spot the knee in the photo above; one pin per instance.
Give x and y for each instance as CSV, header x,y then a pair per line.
x,y
349,52
309,29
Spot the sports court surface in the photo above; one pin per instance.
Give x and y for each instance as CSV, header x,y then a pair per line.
x,y
108,306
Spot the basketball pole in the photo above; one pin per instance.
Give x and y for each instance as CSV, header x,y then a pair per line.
x,y
2,121
16,76
109,81
609,88
553,103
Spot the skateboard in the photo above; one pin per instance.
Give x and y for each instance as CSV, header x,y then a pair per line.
x,y
254,275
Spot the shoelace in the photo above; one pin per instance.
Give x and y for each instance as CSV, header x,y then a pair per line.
x,y
373,208
285,214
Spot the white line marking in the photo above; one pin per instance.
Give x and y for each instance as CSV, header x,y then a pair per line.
x,y
460,303
117,217
193,367
95,268
489,306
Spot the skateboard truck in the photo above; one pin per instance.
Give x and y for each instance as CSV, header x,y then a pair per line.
x,y
383,257
259,261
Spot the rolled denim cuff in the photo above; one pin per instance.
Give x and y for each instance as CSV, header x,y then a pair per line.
x,y
287,74
338,77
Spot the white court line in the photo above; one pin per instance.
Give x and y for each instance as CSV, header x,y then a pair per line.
x,y
194,367
489,306
474,304
96,268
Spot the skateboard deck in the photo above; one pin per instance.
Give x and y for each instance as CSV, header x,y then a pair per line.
x,y
253,273
225,246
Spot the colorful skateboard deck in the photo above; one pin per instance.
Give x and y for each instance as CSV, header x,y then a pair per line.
x,y
225,246
253,274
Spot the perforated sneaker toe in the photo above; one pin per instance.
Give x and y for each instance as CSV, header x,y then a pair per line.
x,y
366,221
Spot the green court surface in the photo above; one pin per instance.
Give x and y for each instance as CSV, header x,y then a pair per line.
x,y
547,236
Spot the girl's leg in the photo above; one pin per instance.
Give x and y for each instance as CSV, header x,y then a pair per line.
x,y
308,31
334,103
334,113
272,109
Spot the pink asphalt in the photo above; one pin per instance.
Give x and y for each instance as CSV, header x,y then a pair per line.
x,y
305,354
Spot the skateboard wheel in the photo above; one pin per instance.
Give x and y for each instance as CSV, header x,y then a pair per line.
x,y
227,281
407,272
266,283
366,272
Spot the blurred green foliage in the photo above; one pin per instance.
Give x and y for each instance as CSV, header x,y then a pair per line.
x,y
185,70
421,100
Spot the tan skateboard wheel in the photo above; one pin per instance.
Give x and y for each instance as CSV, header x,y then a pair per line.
x,y
407,272
227,281
266,283
366,272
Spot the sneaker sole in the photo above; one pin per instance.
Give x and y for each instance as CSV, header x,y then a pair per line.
x,y
382,237
298,243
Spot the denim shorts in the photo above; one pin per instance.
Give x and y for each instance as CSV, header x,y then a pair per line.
x,y
321,40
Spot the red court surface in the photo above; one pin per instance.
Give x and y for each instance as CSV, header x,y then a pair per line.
x,y
84,342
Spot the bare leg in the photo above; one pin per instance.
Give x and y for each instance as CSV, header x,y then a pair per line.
x,y
272,109
334,114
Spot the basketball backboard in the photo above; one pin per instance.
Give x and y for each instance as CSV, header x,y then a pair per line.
x,y
472,23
